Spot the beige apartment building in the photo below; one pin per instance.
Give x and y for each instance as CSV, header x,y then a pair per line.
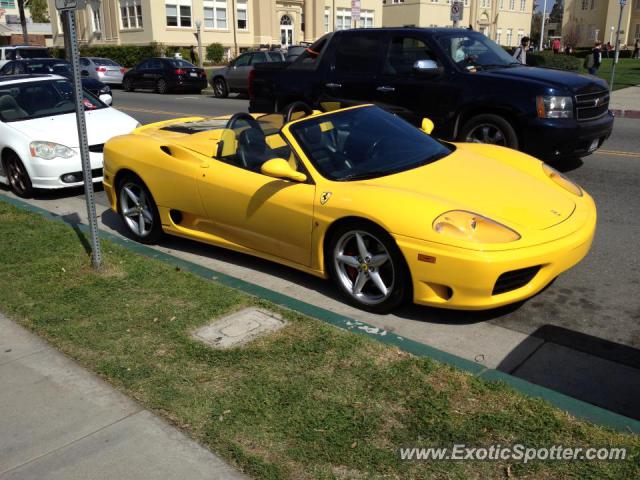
x,y
505,21
241,23
598,20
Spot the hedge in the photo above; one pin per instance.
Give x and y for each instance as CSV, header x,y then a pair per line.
x,y
551,60
215,53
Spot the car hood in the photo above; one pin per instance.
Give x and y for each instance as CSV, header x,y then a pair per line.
x,y
102,125
468,181
576,83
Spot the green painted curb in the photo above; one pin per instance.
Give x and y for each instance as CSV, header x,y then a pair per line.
x,y
572,405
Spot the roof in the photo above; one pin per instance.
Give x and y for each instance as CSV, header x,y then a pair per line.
x,y
10,79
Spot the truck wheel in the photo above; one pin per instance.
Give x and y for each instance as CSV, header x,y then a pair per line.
x,y
489,128
220,89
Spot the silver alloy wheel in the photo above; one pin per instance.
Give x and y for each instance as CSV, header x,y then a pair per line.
x,y
16,176
486,133
218,86
135,209
364,267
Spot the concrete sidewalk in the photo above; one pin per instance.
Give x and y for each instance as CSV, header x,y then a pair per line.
x,y
59,421
626,102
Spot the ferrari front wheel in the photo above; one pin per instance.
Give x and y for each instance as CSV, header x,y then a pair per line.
x,y
138,210
368,268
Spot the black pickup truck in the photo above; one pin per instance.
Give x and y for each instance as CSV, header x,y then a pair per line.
x,y
468,85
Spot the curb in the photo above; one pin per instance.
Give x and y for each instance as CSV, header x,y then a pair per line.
x,y
622,113
577,408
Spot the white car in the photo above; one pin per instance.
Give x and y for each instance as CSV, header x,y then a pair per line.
x,y
39,144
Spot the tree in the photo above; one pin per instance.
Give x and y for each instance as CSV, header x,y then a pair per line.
x,y
39,10
556,12
23,22
571,35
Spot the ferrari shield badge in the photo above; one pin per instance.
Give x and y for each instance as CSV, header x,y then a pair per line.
x,y
324,198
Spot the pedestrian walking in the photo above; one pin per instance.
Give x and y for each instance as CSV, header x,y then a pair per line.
x,y
192,54
520,55
636,49
555,45
593,60
608,48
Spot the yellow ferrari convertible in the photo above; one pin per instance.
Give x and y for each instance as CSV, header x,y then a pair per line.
x,y
357,195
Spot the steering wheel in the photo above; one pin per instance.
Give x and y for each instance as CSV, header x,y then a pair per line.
x,y
294,107
253,123
376,148
62,103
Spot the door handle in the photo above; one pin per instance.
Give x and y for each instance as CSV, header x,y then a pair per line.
x,y
333,85
385,89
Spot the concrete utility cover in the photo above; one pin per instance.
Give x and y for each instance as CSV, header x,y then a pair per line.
x,y
239,328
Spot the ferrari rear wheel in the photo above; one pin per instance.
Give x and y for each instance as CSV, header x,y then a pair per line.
x,y
138,210
368,267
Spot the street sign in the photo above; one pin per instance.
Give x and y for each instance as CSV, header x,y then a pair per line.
x,y
457,10
63,5
355,11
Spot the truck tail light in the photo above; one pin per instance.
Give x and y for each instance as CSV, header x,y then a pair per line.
x,y
252,74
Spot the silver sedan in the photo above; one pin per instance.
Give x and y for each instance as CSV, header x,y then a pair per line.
x,y
102,69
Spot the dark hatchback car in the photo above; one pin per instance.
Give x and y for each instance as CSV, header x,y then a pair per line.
x,y
54,66
165,75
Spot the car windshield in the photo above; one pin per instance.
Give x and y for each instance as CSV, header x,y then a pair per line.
x,y
58,68
275,56
105,62
29,100
32,53
365,142
473,50
177,63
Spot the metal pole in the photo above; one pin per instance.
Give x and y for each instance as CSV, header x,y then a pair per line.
x,y
235,27
23,22
544,11
200,58
617,50
96,257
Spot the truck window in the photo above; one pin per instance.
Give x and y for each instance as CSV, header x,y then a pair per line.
x,y
242,60
404,52
258,57
357,53
310,56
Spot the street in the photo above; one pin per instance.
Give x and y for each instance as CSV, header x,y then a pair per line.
x,y
584,327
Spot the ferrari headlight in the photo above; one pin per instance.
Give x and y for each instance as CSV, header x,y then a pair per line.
x,y
561,180
49,150
472,227
550,106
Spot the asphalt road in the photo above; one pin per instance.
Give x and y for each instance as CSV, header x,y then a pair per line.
x,y
580,336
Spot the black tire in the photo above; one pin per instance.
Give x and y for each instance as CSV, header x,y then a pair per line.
x,y
155,232
162,87
401,289
220,88
127,85
494,128
17,176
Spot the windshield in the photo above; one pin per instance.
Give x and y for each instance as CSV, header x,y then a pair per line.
x,y
32,53
472,51
365,142
29,100
58,68
105,62
177,63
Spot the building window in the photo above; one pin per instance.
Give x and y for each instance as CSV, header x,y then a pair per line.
x,y
593,4
523,5
7,3
95,19
343,18
509,37
241,14
366,18
327,16
636,4
585,4
637,30
501,4
131,14
215,14
498,35
434,1
512,5
520,35
178,13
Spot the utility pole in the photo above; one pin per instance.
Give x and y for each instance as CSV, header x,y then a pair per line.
x,y
544,13
617,51
23,22
199,38
235,28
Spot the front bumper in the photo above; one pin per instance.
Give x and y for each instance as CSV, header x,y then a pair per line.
x,y
47,174
557,138
464,279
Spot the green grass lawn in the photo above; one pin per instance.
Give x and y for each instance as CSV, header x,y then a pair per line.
x,y
627,72
310,401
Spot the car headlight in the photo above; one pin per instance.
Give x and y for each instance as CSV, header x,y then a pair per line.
x,y
551,106
49,150
472,227
561,180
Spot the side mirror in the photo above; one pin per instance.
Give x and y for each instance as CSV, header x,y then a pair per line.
x,y
427,126
280,168
427,67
